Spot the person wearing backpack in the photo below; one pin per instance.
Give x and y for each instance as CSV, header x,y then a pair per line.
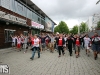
x,y
95,44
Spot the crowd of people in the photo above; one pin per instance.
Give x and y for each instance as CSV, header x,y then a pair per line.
x,y
58,42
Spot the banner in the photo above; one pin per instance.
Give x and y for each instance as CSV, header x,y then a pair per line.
x,y
36,25
12,18
48,26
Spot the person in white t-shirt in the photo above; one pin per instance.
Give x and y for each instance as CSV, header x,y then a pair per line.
x,y
36,47
87,41
13,41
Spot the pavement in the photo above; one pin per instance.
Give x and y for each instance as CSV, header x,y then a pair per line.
x,y
49,63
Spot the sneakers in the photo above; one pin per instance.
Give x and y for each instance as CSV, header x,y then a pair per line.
x,y
96,57
31,58
39,57
59,56
76,56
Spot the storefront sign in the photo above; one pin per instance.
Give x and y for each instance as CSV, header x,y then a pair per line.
x,y
12,18
36,25
48,26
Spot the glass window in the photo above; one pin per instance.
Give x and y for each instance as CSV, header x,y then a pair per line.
x,y
12,5
20,8
29,14
35,17
25,33
33,32
8,34
24,11
5,3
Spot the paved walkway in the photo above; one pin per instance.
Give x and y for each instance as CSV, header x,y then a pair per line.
x,y
49,63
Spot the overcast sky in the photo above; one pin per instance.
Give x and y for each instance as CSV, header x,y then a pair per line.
x,y
71,11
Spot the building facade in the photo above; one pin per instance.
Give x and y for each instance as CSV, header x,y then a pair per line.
x,y
92,21
21,17
89,22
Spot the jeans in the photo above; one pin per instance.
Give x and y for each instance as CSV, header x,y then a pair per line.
x,y
70,49
60,48
34,51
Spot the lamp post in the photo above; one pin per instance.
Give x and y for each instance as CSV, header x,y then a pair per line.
x,y
98,2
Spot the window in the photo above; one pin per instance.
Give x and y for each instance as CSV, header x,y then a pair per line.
x,y
8,34
29,14
20,8
5,3
34,17
25,33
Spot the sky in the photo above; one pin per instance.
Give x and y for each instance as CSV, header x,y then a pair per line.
x,y
73,12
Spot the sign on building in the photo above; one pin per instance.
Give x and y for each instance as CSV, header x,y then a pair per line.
x,y
36,25
12,18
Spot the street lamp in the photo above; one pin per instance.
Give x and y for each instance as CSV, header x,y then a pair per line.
x,y
98,2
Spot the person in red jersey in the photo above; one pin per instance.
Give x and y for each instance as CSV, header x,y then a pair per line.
x,y
78,43
18,43
60,43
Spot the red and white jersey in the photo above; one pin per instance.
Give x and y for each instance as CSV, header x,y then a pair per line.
x,y
32,40
22,39
18,40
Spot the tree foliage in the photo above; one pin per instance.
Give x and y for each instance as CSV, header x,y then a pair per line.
x,y
83,27
61,28
56,29
98,24
74,30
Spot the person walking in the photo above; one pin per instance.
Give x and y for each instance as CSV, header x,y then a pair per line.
x,y
87,41
95,44
60,43
25,44
70,42
52,39
19,43
77,42
74,42
13,41
36,47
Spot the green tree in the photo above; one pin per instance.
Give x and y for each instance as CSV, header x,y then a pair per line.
x,y
56,29
98,24
83,27
62,28
74,30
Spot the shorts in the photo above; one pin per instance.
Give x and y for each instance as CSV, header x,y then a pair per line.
x,y
18,45
43,45
51,45
95,47
87,47
77,48
13,44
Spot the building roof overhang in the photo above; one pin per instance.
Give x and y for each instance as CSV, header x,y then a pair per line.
x,y
36,8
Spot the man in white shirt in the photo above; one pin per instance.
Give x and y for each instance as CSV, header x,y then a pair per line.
x,y
87,41
13,41
36,47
